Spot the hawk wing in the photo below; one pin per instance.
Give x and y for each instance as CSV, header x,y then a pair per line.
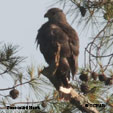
x,y
48,37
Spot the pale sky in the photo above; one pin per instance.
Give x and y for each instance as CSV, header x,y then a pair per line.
x,y
19,22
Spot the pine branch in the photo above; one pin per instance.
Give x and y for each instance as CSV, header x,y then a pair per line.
x,y
76,99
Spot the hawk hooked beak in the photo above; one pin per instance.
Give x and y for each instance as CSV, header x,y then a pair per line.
x,y
46,15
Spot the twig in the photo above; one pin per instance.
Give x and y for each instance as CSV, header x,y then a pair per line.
x,y
4,89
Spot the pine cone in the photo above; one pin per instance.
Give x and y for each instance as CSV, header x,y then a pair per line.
x,y
102,77
109,81
94,75
44,104
84,88
14,93
84,77
82,10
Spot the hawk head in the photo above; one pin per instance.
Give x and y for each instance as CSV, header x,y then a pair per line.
x,y
55,14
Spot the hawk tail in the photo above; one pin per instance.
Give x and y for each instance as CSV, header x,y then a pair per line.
x,y
63,76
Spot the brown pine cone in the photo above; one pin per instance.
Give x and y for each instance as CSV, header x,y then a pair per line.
x,y
102,77
94,75
44,104
109,81
84,88
84,77
82,10
14,93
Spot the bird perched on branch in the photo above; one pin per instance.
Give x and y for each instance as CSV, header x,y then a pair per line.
x,y
59,44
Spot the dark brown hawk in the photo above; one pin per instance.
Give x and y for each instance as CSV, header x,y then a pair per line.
x,y
59,43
